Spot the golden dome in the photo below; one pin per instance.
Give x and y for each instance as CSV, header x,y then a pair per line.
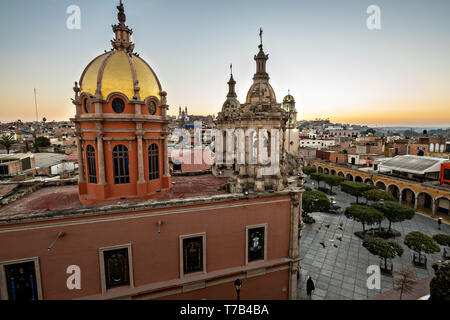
x,y
114,71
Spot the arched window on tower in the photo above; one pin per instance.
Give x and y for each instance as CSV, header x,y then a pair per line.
x,y
92,172
121,164
153,162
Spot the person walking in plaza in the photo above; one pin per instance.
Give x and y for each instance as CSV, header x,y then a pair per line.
x,y
439,223
309,287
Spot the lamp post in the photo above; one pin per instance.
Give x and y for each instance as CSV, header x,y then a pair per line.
x,y
237,286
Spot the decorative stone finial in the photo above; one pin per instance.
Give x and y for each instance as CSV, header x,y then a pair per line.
x,y
121,15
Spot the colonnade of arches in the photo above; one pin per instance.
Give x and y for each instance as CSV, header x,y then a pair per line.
x,y
419,200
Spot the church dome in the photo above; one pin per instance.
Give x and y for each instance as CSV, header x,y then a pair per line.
x,y
117,71
261,92
288,98
231,108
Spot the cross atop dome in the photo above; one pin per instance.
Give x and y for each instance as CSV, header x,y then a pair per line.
x,y
260,37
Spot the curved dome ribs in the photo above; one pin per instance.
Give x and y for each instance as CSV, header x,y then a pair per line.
x,y
120,70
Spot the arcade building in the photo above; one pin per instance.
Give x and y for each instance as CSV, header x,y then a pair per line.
x,y
131,231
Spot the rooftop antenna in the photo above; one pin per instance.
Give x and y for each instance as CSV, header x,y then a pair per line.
x,y
35,104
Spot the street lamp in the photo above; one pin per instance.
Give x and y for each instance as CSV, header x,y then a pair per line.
x,y
237,286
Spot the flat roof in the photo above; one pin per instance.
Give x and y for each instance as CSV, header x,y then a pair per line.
x,y
14,156
413,164
46,159
66,197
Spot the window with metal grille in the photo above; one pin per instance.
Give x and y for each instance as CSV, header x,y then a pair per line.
x,y
26,163
4,169
92,172
153,162
121,164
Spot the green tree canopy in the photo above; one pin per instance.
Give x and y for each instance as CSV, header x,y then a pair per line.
x,y
356,189
315,201
316,177
383,249
40,142
377,195
332,181
7,141
419,242
394,211
364,214
442,239
308,170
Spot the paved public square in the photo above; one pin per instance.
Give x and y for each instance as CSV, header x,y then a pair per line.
x,y
338,268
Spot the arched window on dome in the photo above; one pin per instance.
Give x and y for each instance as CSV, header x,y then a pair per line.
x,y
121,165
153,162
92,172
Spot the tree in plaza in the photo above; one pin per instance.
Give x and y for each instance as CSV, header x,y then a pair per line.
x,y
419,242
364,214
316,177
356,189
308,170
442,239
404,281
315,201
332,181
394,211
7,141
377,195
383,248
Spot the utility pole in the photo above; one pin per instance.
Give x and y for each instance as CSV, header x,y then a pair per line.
x,y
35,104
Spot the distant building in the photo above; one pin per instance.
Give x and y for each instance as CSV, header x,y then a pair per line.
x,y
16,164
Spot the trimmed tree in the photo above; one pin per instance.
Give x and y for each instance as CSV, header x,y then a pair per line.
x,y
377,195
356,189
383,249
315,201
308,170
316,177
364,214
419,242
394,211
442,239
332,181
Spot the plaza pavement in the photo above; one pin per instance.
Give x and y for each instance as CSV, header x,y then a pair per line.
x,y
339,269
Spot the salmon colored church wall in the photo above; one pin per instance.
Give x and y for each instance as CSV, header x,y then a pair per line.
x,y
271,286
155,256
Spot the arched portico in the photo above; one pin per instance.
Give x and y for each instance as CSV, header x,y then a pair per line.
x,y
380,185
394,190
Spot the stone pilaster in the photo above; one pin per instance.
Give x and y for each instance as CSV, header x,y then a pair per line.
x,y
141,178
81,174
101,156
294,245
